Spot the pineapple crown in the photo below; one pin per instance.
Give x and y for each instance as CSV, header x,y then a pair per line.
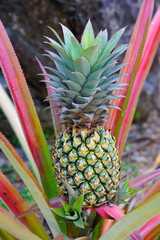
x,y
85,75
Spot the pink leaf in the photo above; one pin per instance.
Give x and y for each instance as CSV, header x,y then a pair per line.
x,y
149,226
110,212
27,113
150,48
133,56
140,180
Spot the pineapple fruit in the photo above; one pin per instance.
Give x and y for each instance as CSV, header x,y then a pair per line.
x,y
84,152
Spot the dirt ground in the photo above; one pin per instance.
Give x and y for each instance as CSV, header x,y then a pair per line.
x,y
143,144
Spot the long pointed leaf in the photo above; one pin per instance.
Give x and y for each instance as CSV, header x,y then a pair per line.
x,y
55,118
140,180
149,226
10,112
155,187
6,236
31,183
110,211
134,219
14,227
27,113
132,57
150,48
17,205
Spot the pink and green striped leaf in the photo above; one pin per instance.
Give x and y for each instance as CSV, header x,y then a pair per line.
x,y
153,234
155,187
31,183
141,180
54,202
152,227
27,113
17,205
150,49
16,229
132,57
134,219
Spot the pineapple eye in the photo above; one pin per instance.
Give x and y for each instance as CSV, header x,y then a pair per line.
x,y
91,158
89,172
82,150
90,143
98,167
78,178
100,190
73,156
81,164
85,187
72,169
64,161
67,146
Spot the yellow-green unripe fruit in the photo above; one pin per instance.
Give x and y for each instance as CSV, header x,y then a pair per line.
x,y
87,160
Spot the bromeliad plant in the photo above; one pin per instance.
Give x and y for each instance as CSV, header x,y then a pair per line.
x,y
79,189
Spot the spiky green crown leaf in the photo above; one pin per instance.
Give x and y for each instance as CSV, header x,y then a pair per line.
x,y
85,76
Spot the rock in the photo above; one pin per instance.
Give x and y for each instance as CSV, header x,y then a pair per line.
x,y
26,23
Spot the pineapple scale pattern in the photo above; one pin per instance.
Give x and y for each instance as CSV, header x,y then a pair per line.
x,y
88,161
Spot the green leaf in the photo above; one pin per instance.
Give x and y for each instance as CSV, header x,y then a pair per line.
x,y
103,62
91,54
134,219
82,99
56,73
104,38
77,77
110,80
112,70
57,36
67,208
12,198
67,38
70,93
98,39
82,65
88,36
72,194
73,85
115,86
61,52
76,48
77,206
60,66
59,211
111,44
94,83
125,187
79,223
54,56
6,236
89,92
97,74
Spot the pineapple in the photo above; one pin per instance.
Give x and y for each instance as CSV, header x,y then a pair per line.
x,y
84,152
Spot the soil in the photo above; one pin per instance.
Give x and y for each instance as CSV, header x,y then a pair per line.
x,y
143,144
